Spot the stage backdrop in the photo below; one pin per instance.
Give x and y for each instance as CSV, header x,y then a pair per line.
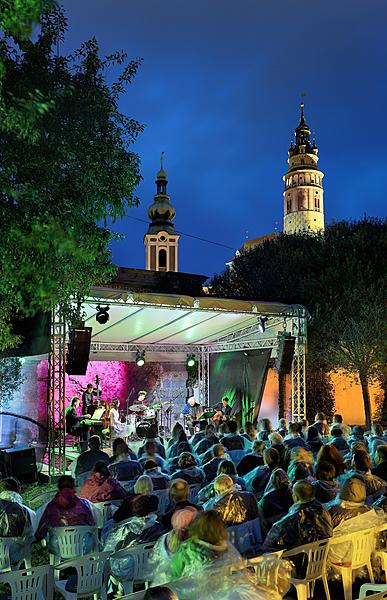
x,y
240,374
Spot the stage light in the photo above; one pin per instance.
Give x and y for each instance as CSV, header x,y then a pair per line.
x,y
102,315
191,361
262,324
140,358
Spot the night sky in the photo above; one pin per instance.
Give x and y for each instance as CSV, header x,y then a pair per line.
x,y
219,93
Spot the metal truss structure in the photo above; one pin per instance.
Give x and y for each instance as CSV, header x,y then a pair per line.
x,y
56,395
298,400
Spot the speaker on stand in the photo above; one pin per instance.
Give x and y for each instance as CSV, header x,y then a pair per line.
x,y
78,350
285,353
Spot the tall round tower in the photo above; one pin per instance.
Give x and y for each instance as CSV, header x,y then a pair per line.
x,y
303,195
161,240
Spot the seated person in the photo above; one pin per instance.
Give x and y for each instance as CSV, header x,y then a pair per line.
x,y
294,438
282,428
199,435
232,440
376,438
74,424
338,422
142,487
380,470
361,468
313,440
160,592
210,468
142,527
276,500
320,421
338,440
101,486
116,444
265,429
152,436
325,486
253,459
87,459
124,468
10,491
150,452
66,509
15,518
250,432
208,441
227,467
329,453
168,544
160,480
257,479
178,494
276,441
173,449
306,521
234,507
357,435
189,471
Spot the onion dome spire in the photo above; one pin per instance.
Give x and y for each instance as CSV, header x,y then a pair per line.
x,y
302,135
161,212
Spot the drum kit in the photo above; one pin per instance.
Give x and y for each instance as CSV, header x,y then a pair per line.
x,y
141,417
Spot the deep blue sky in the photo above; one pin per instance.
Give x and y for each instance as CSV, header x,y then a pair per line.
x,y
219,92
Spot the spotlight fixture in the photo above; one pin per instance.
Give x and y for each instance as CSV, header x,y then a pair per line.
x,y
262,324
102,315
191,361
140,358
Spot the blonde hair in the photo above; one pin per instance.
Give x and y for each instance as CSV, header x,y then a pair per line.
x,y
275,438
143,485
301,455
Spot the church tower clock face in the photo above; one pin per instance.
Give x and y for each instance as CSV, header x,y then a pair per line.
x,y
303,193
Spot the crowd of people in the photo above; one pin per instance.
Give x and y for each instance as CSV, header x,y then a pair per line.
x,y
303,482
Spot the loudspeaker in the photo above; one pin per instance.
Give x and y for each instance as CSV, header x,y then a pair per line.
x,y
78,350
19,462
285,353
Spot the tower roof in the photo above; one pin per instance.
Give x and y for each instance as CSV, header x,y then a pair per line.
x,y
161,213
302,135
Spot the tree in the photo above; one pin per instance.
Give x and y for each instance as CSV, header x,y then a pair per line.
x,y
66,174
340,277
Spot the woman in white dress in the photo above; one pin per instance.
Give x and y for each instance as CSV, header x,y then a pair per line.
x,y
117,429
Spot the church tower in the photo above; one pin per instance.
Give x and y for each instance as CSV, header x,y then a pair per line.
x,y
161,239
303,195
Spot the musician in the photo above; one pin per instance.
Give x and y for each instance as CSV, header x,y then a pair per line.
x,y
117,429
192,411
223,410
74,425
87,399
141,397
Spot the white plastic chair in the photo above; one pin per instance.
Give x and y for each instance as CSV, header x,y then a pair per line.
x,y
361,545
140,553
107,510
163,498
92,577
381,553
381,588
266,568
71,541
246,537
316,554
194,489
5,551
33,584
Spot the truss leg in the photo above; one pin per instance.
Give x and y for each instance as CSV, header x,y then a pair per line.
x,y
299,369
56,395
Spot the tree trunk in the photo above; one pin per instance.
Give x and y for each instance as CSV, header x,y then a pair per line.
x,y
281,395
366,398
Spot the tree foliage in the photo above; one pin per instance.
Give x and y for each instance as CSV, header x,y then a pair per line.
x,y
67,169
340,277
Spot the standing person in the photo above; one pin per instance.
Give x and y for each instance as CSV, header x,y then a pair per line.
x,y
87,400
192,411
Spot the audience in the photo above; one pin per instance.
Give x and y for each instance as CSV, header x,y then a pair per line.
x,y
231,439
189,471
160,480
142,487
250,432
282,427
207,442
361,468
265,429
380,470
376,438
152,436
16,520
65,509
294,439
257,480
87,459
351,503
116,443
178,494
326,487
338,440
329,453
320,422
150,452
276,441
101,486
234,507
125,468
160,592
276,500
313,440
253,459
307,521
201,434
210,469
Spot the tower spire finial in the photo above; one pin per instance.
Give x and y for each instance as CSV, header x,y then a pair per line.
x,y
162,161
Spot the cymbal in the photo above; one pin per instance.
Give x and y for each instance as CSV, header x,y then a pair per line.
x,y
157,405
138,408
209,414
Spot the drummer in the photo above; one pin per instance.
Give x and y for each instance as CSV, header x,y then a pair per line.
x,y
141,397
